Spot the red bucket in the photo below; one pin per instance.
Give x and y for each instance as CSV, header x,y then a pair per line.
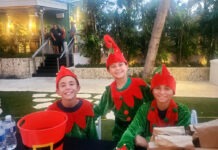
x,y
43,129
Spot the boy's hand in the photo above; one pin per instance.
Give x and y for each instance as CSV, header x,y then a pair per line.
x,y
141,141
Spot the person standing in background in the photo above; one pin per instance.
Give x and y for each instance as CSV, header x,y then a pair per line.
x,y
63,38
55,38
72,31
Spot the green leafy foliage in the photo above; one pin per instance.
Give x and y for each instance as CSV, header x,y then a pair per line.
x,y
91,48
190,29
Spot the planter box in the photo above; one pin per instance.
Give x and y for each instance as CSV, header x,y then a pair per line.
x,y
23,68
17,67
180,73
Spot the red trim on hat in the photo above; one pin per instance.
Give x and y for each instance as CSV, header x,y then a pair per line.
x,y
109,43
64,72
163,78
116,56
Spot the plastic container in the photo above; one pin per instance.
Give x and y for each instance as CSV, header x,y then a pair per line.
x,y
43,129
2,136
10,138
194,117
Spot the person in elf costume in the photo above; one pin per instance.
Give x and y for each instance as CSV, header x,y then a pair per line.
x,y
80,123
124,95
161,112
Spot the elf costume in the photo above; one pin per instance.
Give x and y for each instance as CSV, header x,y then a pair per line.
x,y
149,116
80,123
123,102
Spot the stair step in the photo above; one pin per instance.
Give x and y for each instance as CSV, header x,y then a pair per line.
x,y
44,70
52,55
44,75
50,63
49,68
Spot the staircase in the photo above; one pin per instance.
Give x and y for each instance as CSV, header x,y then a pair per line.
x,y
51,67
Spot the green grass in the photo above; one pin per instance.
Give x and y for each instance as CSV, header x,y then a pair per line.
x,y
107,126
19,104
206,107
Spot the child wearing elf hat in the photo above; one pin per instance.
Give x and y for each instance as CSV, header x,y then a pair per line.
x,y
80,123
161,112
124,95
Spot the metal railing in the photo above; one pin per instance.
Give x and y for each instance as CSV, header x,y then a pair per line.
x,y
66,53
42,50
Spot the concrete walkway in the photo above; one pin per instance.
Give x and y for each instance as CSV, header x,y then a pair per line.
x,y
47,84
42,100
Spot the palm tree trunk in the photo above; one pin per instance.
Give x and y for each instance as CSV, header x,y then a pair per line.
x,y
155,37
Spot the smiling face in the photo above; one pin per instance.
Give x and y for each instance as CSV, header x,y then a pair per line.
x,y
68,88
118,70
163,94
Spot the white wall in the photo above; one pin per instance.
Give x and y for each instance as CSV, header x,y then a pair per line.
x,y
214,71
78,59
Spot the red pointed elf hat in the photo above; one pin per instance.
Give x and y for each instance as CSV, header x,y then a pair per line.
x,y
116,56
163,78
63,72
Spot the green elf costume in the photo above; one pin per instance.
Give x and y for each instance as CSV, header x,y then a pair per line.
x,y
123,102
148,115
80,123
